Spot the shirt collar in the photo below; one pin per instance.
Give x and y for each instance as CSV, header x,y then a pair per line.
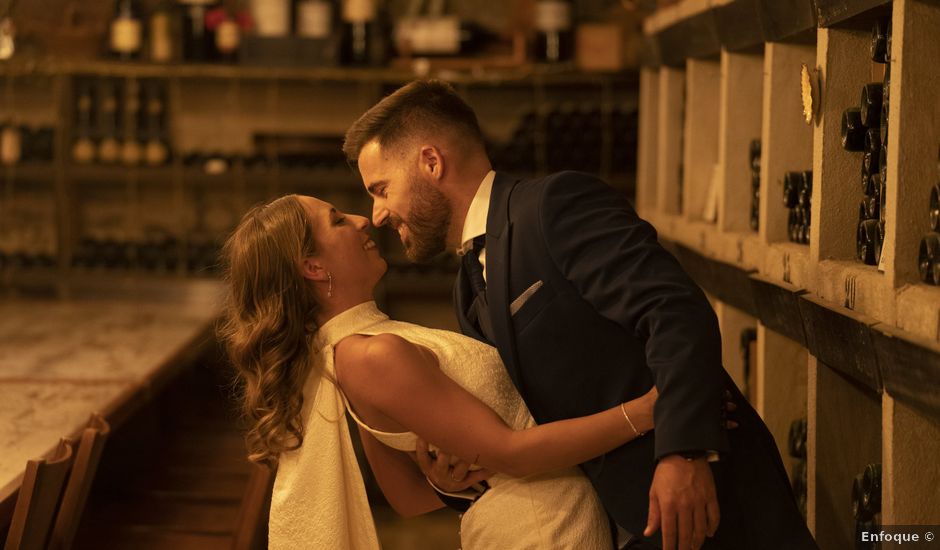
x,y
475,223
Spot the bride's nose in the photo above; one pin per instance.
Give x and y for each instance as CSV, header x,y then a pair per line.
x,y
361,222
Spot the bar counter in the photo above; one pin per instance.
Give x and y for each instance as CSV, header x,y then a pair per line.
x,y
107,348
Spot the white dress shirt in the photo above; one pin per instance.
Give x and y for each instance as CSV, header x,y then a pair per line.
x,y
475,223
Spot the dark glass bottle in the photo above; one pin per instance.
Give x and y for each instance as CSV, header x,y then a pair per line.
x,y
867,240
927,256
156,147
870,104
197,40
362,35
109,148
83,145
131,145
853,132
554,31
225,34
879,40
160,40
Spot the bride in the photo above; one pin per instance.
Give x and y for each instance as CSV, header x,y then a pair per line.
x,y
309,344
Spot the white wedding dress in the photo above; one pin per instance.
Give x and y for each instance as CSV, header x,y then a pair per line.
x,y
558,510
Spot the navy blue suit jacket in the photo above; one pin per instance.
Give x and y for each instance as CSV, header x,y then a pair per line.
x,y
615,314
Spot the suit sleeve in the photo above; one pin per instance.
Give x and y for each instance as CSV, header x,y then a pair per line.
x,y
613,259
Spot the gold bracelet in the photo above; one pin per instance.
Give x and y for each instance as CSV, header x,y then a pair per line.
x,y
636,432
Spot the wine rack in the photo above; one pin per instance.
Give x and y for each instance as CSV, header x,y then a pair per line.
x,y
840,283
149,166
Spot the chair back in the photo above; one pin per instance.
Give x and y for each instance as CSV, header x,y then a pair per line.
x,y
38,499
87,455
252,525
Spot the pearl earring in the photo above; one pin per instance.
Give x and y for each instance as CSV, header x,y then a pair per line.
x,y
329,292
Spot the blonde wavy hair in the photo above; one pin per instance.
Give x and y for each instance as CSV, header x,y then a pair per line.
x,y
268,323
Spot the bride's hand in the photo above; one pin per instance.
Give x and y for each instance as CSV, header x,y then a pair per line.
x,y
447,472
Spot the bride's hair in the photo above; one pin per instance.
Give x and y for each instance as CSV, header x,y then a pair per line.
x,y
268,322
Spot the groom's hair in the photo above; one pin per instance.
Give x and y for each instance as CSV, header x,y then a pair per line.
x,y
418,109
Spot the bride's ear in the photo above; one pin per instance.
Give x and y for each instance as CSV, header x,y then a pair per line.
x,y
312,269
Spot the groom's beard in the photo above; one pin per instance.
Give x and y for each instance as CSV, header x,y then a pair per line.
x,y
427,222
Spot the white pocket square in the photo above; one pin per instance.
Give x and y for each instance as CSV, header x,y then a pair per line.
x,y
516,304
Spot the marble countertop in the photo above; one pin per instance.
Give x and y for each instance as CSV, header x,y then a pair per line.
x,y
63,359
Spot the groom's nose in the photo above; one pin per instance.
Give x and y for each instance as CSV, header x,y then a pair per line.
x,y
379,215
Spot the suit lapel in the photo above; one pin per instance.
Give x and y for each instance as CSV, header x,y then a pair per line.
x,y
498,235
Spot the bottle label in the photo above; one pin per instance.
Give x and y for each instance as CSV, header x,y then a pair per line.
x,y
227,36
430,35
125,35
272,17
358,11
314,19
161,48
552,16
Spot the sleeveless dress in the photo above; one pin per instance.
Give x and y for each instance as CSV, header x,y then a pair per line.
x,y
557,510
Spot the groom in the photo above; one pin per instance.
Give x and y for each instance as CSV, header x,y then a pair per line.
x,y
587,310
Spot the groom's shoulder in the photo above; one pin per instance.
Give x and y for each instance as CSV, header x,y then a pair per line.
x,y
531,197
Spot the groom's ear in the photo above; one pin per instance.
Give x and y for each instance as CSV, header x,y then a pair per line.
x,y
431,161
311,269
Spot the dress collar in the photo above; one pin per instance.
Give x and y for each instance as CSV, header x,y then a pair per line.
x,y
347,323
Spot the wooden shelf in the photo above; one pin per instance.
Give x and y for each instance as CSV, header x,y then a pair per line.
x,y
834,12
523,74
784,20
860,342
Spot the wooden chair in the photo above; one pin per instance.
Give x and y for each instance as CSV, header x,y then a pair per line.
x,y
251,527
87,455
38,499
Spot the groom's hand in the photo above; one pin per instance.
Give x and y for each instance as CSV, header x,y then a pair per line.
x,y
447,472
683,502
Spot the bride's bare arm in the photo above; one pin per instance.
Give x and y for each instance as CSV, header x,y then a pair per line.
x,y
401,482
402,382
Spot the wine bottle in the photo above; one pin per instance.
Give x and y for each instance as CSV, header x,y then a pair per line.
x,y
197,41
791,189
126,30
272,18
754,155
314,19
361,34
873,141
109,149
870,109
853,132
871,489
935,207
156,149
161,33
866,241
224,29
879,40
554,31
439,36
131,146
797,438
83,147
927,256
